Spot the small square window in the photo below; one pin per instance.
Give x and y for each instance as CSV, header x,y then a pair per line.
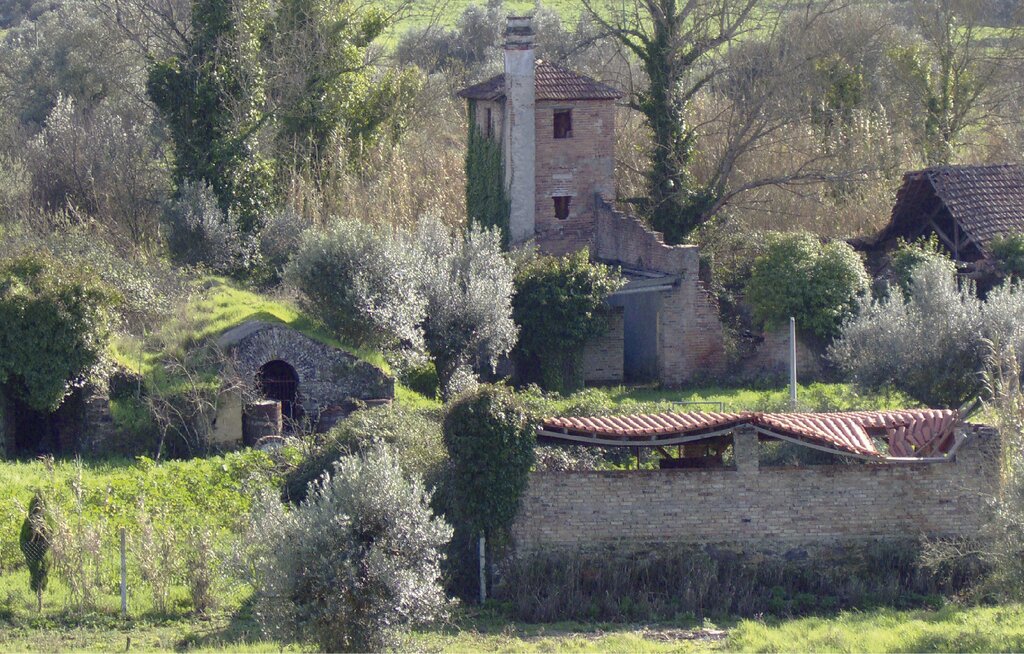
x,y
563,124
562,206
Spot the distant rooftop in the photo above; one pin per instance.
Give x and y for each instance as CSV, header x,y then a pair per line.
x,y
553,83
986,202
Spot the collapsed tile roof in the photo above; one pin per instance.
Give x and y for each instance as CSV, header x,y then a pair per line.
x,y
911,433
552,83
986,202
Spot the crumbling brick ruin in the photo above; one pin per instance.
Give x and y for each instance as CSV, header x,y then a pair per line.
x,y
557,134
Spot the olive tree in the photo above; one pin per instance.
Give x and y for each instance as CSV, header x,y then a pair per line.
x,y
361,282
931,344
354,566
467,283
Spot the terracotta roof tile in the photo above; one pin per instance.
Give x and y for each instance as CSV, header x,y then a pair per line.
x,y
986,201
909,432
552,83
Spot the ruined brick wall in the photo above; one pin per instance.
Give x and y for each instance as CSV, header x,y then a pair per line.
x,y
770,360
690,336
762,507
603,356
582,167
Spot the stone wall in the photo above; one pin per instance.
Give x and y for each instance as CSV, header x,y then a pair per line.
x,y
603,356
759,506
328,377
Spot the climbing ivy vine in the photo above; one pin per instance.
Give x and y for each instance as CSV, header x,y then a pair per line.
x,y
486,202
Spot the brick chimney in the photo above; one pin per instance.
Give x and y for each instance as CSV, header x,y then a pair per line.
x,y
520,128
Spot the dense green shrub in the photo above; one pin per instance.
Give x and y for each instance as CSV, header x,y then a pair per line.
x,y
559,305
55,325
414,434
36,548
354,566
933,344
1008,254
817,284
360,282
490,444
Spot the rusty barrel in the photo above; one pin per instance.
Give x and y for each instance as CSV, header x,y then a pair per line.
x,y
261,419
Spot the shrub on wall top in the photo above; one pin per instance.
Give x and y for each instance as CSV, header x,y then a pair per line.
x,y
817,284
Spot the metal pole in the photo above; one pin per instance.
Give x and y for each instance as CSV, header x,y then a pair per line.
x,y
124,578
483,568
792,362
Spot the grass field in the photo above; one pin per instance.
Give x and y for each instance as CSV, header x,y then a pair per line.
x,y
950,629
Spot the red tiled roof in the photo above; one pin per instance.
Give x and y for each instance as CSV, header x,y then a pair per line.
x,y
909,433
552,83
986,201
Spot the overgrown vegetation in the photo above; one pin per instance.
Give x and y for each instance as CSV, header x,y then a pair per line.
x,y
55,326
626,585
490,444
559,305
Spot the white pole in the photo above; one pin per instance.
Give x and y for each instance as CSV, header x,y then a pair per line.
x,y
483,569
792,362
124,578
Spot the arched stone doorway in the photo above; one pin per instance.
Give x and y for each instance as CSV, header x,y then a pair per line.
x,y
277,380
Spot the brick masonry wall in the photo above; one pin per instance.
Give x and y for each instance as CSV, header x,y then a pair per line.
x,y
690,337
771,358
762,507
582,167
603,356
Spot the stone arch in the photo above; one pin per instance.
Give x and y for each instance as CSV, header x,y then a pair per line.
x,y
278,380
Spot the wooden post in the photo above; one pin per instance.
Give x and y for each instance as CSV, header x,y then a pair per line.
x,y
124,578
483,568
792,362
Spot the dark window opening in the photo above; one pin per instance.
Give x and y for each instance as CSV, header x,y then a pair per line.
x,y
562,206
489,126
563,124
278,381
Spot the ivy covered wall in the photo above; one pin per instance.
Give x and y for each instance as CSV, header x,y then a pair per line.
x,y
487,203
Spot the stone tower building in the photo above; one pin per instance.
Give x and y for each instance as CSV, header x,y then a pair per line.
x,y
557,134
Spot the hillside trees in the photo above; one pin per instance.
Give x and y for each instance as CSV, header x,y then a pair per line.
x,y
212,97
727,102
324,94
672,40
957,73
